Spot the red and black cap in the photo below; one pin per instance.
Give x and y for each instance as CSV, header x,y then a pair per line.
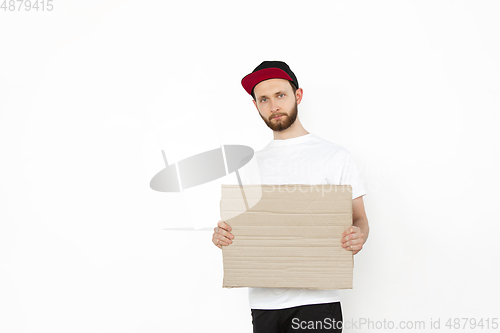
x,y
268,70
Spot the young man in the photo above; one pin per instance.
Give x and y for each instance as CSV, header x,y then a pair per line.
x,y
296,156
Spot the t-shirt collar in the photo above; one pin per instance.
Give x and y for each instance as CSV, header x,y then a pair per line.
x,y
291,141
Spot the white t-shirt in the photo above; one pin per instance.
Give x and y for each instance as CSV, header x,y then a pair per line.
x,y
307,159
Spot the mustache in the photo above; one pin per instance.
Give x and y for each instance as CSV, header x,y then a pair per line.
x,y
278,115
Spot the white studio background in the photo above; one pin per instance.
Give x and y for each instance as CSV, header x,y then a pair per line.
x,y
92,91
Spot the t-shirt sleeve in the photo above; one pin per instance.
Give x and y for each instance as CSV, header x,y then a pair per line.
x,y
350,176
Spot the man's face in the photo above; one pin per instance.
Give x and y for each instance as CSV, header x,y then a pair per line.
x,y
276,103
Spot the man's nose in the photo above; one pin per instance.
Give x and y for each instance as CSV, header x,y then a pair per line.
x,y
274,105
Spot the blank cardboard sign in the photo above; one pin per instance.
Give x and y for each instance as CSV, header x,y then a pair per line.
x,y
290,238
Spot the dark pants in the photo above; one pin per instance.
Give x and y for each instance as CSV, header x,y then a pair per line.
x,y
324,317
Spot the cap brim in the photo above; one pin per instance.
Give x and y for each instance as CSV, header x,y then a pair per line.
x,y
252,79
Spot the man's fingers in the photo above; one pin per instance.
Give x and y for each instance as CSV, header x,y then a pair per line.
x,y
224,233
218,242
351,230
222,236
351,237
354,248
223,225
353,242
222,239
348,248
347,238
356,235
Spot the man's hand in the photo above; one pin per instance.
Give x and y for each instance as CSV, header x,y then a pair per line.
x,y
353,239
222,235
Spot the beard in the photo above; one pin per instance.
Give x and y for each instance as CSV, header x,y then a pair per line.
x,y
284,122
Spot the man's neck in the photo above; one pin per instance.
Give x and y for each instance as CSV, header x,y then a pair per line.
x,y
293,131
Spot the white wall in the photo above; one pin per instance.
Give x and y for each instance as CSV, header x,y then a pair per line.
x,y
93,90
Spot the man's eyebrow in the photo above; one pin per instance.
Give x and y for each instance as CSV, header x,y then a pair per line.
x,y
275,94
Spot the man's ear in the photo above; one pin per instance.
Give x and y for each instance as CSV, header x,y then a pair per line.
x,y
298,95
255,103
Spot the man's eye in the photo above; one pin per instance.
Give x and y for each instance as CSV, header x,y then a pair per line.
x,y
281,95
263,100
